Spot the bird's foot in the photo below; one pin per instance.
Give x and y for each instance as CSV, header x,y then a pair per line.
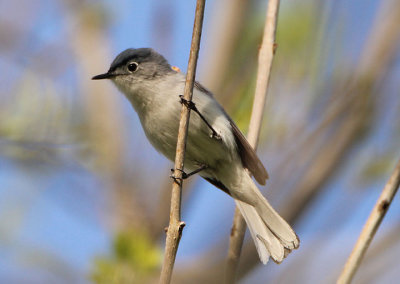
x,y
185,175
191,105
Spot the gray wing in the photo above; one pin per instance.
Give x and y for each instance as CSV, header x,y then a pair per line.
x,y
249,157
247,154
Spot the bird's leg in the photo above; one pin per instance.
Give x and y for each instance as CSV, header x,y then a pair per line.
x,y
185,175
192,106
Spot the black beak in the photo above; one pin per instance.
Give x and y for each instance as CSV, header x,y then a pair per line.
x,y
103,76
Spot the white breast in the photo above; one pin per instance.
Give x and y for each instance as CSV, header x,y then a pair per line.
x,y
159,111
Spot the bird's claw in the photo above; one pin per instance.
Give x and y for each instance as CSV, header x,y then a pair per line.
x,y
176,179
188,104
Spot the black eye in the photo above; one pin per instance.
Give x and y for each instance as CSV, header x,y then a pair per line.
x,y
133,66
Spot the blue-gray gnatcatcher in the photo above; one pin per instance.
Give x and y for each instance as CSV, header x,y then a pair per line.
x,y
216,148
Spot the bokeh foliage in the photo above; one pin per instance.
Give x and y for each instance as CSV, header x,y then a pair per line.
x,y
134,259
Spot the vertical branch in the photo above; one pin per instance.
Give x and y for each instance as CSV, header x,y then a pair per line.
x,y
175,226
370,227
265,58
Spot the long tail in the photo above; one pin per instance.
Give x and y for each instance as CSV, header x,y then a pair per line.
x,y
272,235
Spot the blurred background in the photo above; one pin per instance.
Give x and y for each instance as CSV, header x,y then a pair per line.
x,y
84,197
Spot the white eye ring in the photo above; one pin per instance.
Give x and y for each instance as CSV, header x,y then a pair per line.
x,y
133,66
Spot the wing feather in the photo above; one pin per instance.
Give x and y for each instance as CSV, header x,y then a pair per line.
x,y
247,154
249,157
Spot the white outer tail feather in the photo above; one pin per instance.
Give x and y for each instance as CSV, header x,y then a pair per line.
x,y
256,227
272,235
276,223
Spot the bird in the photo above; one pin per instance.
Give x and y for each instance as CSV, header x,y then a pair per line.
x,y
216,149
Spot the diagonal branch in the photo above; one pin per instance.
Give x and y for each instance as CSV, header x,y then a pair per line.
x,y
370,227
175,226
265,58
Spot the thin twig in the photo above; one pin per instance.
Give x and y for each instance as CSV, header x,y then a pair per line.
x,y
175,226
265,58
370,227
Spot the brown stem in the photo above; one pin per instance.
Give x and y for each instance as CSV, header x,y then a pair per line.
x,y
175,226
370,227
265,58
